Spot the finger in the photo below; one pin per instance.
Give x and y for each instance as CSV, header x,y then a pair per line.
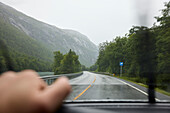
x,y
30,73
56,93
33,78
9,75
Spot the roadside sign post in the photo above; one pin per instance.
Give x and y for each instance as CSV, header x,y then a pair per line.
x,y
121,68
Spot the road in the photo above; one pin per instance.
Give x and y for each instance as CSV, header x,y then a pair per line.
x,y
90,86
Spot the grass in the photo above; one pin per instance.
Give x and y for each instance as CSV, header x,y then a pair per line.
x,y
144,85
141,82
162,91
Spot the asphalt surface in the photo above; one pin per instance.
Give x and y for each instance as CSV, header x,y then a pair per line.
x,y
90,86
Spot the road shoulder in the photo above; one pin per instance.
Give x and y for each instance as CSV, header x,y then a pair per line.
x,y
159,96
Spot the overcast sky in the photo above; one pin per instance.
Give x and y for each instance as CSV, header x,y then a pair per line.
x,y
100,20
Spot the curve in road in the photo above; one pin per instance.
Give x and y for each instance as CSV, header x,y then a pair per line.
x,y
91,86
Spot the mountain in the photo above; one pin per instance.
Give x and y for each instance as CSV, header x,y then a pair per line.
x,y
24,51
47,37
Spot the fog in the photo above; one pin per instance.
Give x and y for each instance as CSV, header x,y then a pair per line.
x,y
100,20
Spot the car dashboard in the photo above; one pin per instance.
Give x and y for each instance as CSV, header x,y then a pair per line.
x,y
115,107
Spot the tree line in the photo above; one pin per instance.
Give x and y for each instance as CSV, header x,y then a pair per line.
x,y
143,50
18,61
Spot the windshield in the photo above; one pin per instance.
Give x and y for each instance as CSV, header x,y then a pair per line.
x,y
111,50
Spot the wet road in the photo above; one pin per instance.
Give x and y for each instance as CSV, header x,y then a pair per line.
x,y
90,86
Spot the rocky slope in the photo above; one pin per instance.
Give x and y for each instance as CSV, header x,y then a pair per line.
x,y
51,37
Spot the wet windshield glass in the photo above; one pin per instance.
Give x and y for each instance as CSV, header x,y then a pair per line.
x,y
110,50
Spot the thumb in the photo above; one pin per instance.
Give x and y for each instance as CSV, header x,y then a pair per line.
x,y
54,95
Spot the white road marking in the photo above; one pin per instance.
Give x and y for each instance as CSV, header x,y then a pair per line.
x,y
136,89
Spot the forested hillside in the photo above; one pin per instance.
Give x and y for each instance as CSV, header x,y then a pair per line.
x,y
24,51
143,50
51,37
31,43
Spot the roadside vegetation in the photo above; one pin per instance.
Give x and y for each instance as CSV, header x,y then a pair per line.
x,y
68,63
144,51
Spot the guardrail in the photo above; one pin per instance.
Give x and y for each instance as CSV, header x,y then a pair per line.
x,y
51,78
105,73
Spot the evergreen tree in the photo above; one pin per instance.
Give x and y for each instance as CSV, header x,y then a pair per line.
x,y
57,62
68,63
